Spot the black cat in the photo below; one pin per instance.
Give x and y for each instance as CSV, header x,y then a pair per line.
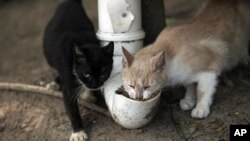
x,y
71,47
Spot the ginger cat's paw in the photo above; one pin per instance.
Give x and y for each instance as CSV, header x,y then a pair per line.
x,y
187,104
200,111
78,136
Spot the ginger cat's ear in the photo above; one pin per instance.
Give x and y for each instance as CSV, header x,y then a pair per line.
x,y
127,58
158,61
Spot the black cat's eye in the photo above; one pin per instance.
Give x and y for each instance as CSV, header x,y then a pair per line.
x,y
132,86
86,75
146,87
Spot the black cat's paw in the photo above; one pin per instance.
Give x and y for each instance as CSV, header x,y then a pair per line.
x,y
78,136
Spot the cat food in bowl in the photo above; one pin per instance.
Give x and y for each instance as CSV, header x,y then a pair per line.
x,y
128,112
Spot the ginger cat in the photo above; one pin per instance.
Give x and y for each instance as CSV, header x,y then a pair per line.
x,y
193,54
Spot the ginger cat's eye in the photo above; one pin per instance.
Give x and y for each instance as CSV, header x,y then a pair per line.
x,y
146,87
131,86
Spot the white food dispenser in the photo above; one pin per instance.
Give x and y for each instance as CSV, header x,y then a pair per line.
x,y
120,22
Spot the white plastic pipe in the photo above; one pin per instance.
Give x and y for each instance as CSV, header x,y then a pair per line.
x,y
120,22
117,16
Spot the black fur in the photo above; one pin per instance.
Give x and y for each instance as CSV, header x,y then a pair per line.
x,y
71,47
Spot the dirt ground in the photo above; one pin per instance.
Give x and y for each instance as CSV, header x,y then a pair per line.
x,y
29,117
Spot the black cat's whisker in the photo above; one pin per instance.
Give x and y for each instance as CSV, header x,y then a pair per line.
x,y
81,89
77,92
77,95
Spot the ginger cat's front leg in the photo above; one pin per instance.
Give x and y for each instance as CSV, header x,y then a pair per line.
x,y
188,102
206,87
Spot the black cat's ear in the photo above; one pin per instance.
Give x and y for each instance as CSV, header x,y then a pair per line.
x,y
158,61
109,49
127,58
77,50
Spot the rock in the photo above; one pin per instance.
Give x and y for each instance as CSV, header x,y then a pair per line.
x,y
23,125
28,129
52,86
41,83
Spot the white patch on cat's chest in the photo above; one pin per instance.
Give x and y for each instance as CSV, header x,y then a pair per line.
x,y
178,73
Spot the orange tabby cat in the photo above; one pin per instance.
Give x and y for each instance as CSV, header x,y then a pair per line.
x,y
193,54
